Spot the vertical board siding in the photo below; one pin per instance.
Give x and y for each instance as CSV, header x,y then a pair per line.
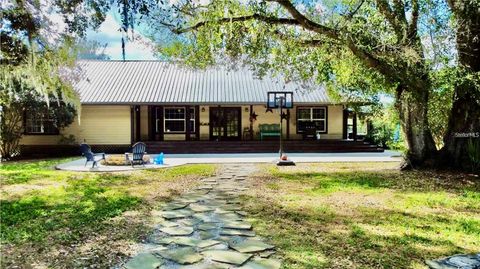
x,y
98,125
144,123
105,125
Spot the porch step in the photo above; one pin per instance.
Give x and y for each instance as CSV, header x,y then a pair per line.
x,y
179,147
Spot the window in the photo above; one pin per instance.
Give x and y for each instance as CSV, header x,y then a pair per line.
x,y
312,118
174,120
40,122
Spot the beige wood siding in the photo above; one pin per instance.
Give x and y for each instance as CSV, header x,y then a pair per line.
x,y
335,122
40,140
144,123
98,125
173,137
245,112
105,125
204,123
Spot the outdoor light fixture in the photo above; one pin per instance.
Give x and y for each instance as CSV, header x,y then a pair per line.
x,y
203,109
281,100
246,109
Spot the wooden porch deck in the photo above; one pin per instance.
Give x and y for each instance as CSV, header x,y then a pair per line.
x,y
291,146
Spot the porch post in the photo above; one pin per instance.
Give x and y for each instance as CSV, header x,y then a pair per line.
x,y
137,124
131,125
187,123
345,123
251,122
288,124
197,122
354,126
149,125
161,130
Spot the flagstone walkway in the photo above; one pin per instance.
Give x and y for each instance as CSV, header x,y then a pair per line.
x,y
206,229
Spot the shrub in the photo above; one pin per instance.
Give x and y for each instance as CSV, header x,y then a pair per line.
x,y
473,151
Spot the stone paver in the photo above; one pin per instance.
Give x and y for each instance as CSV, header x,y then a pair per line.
x,y
237,232
177,230
461,261
262,264
183,255
176,214
144,261
227,256
250,245
239,225
207,228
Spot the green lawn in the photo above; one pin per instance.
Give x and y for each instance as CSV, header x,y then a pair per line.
x,y
64,219
337,215
364,215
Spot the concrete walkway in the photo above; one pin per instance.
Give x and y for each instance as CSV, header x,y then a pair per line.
x,y
206,228
181,159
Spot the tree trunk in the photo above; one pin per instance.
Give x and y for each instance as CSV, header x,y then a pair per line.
x,y
464,124
464,118
413,113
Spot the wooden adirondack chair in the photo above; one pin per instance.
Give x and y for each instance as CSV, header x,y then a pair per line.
x,y
90,156
138,150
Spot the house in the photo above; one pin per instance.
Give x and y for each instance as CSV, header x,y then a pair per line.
x,y
125,102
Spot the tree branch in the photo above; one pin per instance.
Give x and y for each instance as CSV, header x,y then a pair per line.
x,y
412,28
399,10
305,22
298,19
371,61
351,14
392,18
304,42
258,17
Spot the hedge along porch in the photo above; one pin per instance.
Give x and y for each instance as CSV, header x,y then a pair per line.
x,y
125,102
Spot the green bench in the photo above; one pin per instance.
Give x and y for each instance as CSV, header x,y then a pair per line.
x,y
269,130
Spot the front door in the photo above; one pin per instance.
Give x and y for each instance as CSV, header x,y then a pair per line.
x,y
225,123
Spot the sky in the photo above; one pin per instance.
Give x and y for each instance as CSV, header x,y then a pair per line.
x,y
108,33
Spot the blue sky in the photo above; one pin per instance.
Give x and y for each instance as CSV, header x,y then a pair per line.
x,y
108,33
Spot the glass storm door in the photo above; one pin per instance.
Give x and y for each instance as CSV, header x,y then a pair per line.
x,y
225,123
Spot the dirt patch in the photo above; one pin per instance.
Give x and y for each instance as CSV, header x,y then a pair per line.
x,y
340,167
17,190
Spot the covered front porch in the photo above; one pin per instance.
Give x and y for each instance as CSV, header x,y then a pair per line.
x,y
239,122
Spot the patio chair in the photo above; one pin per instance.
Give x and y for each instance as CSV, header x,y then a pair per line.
x,y
90,156
138,150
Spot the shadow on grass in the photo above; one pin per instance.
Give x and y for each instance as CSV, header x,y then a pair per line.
x,y
24,171
405,181
61,213
373,238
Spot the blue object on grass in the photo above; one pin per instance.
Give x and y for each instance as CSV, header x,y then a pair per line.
x,y
159,159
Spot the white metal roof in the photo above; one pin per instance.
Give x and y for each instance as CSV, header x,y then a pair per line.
x,y
149,82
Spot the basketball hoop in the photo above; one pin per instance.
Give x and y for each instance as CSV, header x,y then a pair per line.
x,y
281,100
